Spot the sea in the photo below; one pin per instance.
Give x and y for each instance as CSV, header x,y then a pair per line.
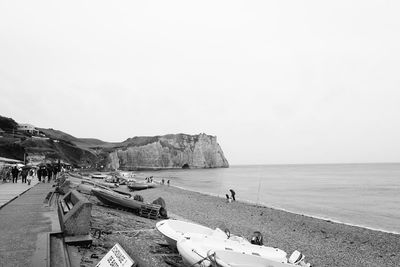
x,y
365,195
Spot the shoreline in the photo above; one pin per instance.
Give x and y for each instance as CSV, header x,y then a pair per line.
x,y
293,212
371,206
143,168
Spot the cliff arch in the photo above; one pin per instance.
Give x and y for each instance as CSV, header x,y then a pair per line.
x,y
185,166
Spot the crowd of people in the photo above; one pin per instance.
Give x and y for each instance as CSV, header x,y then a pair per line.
x,y
26,173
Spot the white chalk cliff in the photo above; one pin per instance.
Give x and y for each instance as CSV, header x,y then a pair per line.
x,y
168,151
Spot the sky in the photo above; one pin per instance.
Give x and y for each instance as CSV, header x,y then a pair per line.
x,y
278,82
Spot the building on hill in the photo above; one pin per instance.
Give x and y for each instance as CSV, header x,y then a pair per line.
x,y
28,128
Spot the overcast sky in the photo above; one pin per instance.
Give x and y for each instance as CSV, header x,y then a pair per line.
x,y
275,81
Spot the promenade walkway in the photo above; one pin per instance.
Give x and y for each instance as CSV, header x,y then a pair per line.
x,y
25,221
9,191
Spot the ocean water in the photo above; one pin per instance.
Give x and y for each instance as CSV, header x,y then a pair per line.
x,y
366,195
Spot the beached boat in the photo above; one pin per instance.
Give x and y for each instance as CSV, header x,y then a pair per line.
x,y
125,181
112,198
194,249
101,183
225,258
136,186
76,175
86,186
117,190
98,176
109,185
174,230
111,179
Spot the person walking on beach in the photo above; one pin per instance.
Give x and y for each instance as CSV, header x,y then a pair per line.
x,y
168,182
233,194
14,173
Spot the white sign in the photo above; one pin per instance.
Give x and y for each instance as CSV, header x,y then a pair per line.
x,y
116,257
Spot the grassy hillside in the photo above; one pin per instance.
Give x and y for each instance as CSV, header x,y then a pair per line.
x,y
57,135
7,124
53,145
84,143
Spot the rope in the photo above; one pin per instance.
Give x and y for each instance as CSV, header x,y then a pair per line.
x,y
211,256
200,261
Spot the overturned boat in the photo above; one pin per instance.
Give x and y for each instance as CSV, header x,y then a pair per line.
x,y
86,186
125,201
136,186
175,230
98,176
225,258
194,249
112,198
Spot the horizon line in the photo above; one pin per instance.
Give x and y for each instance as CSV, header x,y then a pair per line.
x,y
326,163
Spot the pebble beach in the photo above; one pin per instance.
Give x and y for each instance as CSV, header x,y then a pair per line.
x,y
324,243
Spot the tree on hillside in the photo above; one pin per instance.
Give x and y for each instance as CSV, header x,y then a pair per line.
x,y
7,124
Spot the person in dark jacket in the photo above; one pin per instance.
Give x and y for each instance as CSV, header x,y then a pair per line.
x,y
49,173
39,174
24,174
233,194
15,173
55,171
42,173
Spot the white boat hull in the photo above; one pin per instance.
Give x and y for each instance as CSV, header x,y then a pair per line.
x,y
194,248
224,258
174,230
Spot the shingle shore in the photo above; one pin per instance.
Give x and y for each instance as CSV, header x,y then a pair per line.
x,y
324,243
